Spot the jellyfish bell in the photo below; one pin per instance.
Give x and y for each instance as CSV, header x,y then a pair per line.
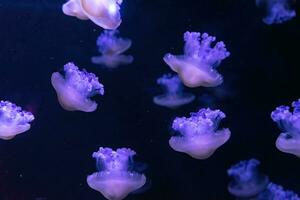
x,y
288,144
112,61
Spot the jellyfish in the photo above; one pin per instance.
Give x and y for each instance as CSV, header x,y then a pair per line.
x,y
289,122
277,11
197,67
75,89
104,13
111,48
247,181
13,120
115,180
199,136
174,96
277,192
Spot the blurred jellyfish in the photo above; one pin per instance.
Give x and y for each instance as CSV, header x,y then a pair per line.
x,y
115,180
104,13
197,67
276,192
13,120
174,96
111,47
75,89
199,135
246,181
289,140
277,11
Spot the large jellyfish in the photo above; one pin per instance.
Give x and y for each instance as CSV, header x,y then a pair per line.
x,y
115,180
247,181
289,122
104,13
75,89
277,11
13,120
277,192
174,96
111,47
197,67
199,135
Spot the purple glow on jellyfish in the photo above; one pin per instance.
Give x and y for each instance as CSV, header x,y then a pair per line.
x,y
114,180
199,135
278,11
174,96
111,47
277,192
104,13
289,122
197,67
13,120
246,181
75,89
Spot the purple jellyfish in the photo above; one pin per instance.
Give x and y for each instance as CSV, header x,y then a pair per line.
x,y
13,120
197,67
111,47
75,89
174,96
289,122
115,180
246,181
278,11
104,13
199,135
277,192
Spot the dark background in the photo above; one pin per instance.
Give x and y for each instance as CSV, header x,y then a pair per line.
x,y
52,160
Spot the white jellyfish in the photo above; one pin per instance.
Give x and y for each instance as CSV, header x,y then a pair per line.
x,y
13,120
197,67
111,48
174,96
289,122
104,13
246,180
199,135
277,192
115,180
277,11
75,89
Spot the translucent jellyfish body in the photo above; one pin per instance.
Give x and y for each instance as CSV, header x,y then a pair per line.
x,y
13,120
114,180
75,88
289,122
197,67
277,11
277,192
246,181
111,48
104,13
199,136
174,96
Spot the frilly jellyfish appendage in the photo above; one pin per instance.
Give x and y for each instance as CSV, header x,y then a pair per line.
x,y
75,89
104,13
277,192
278,11
111,47
246,181
197,66
289,122
174,96
13,120
199,135
114,180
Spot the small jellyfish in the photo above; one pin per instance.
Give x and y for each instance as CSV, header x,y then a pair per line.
x,y
115,180
197,67
277,11
246,181
13,120
104,13
111,48
199,135
75,89
289,140
277,192
174,96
